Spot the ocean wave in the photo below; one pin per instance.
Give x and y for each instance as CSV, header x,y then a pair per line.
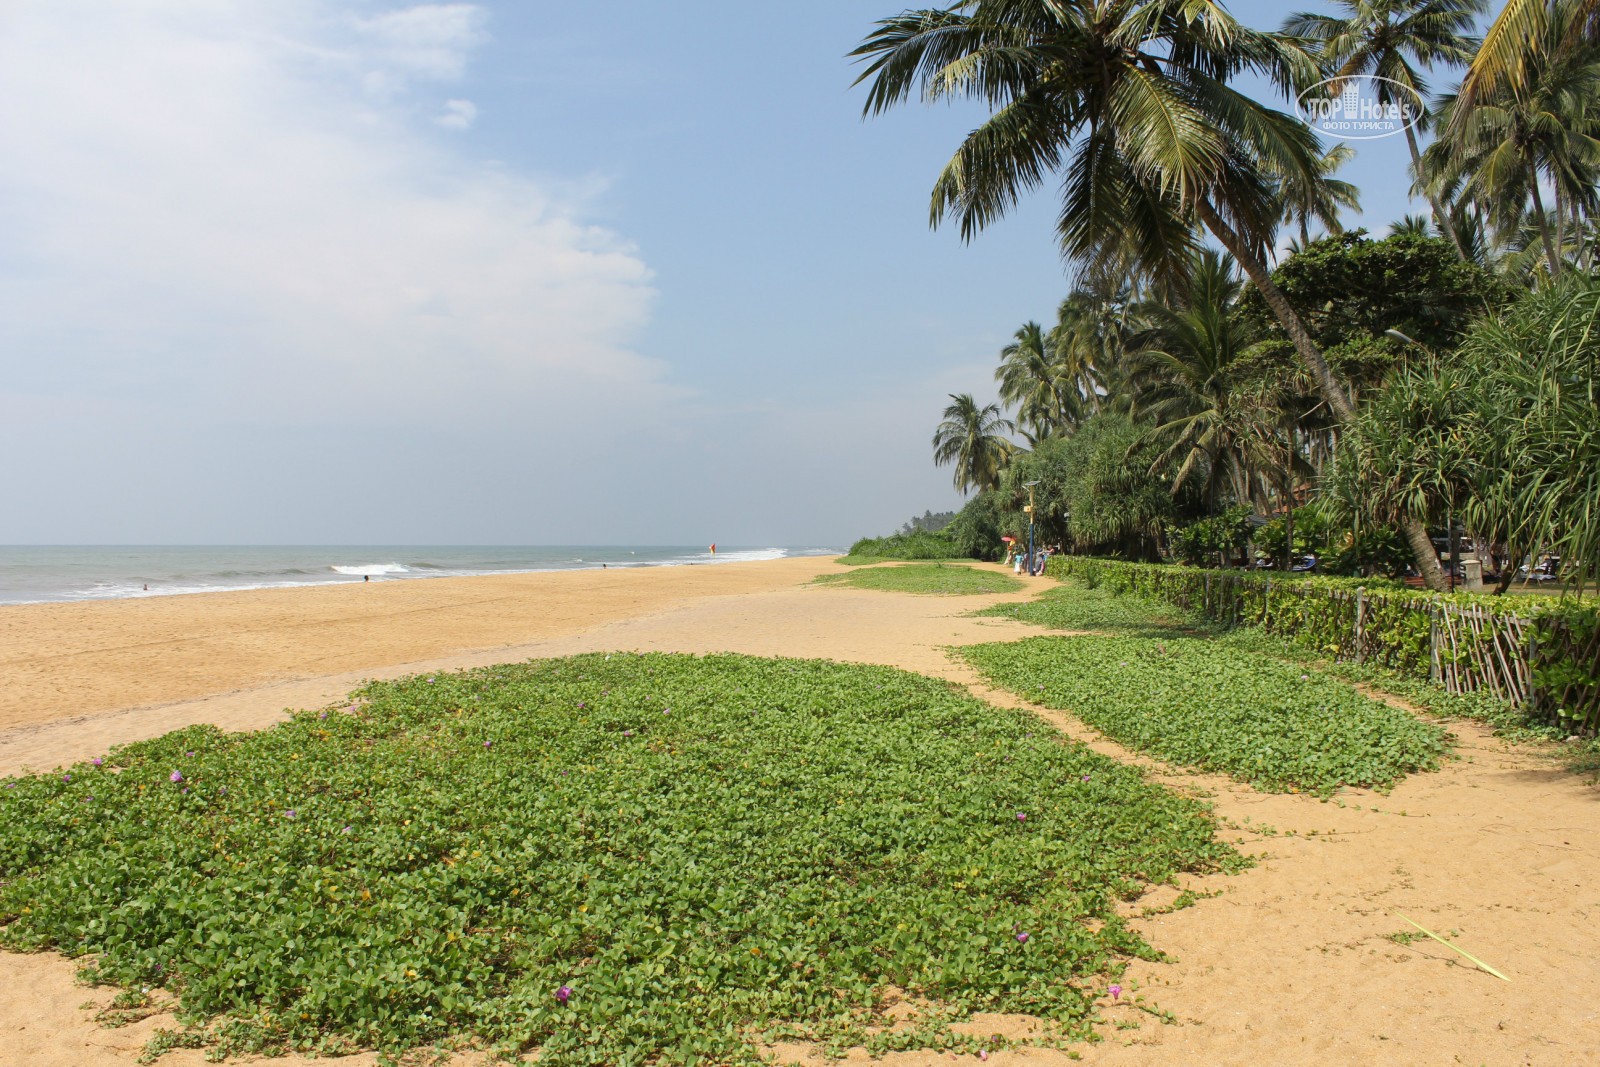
x,y
372,569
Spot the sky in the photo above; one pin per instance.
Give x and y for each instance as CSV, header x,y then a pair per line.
x,y
322,272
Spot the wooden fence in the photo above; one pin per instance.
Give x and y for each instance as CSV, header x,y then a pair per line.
x,y
1542,656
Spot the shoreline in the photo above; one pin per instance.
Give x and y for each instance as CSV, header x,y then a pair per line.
x,y
393,572
74,659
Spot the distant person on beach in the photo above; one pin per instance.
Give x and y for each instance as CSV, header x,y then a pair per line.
x,y
366,577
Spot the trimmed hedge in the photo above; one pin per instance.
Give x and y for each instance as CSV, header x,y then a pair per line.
x,y
1544,655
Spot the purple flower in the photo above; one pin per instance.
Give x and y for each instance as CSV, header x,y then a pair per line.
x,y
189,754
580,703
627,733
97,761
324,715
185,790
563,993
486,744
66,777
290,813
1305,677
1116,991
175,776
1086,777
11,785
345,830
1021,817
1023,937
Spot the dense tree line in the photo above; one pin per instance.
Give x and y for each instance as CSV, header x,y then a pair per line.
x,y
1361,393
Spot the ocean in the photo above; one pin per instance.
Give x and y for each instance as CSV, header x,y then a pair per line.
x,y
42,573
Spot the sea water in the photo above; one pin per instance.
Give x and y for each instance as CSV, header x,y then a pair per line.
x,y
35,573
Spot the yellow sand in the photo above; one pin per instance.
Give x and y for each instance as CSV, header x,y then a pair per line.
x,y
1287,965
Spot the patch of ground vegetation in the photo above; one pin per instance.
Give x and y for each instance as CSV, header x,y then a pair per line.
x,y
1071,607
1074,607
608,859
931,579
1209,707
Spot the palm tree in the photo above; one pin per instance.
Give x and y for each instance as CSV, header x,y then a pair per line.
x,y
1089,340
1190,386
1129,100
1505,142
971,438
1032,381
1411,226
1320,199
1391,39
1520,32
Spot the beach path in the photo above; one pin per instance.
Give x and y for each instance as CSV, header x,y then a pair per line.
x,y
1290,962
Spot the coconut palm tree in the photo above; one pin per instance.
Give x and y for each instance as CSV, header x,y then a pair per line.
x,y
1129,101
1519,33
1190,386
1392,39
972,438
1505,143
1034,383
1319,200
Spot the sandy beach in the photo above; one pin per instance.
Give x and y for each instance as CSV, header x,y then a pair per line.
x,y
1286,963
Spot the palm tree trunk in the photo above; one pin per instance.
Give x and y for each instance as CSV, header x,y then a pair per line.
x,y
1561,221
1544,228
1440,219
1330,387
1288,529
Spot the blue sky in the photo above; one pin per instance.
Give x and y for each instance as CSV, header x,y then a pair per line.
x,y
300,271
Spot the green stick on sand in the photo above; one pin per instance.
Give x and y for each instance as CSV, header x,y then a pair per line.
x,y
1453,948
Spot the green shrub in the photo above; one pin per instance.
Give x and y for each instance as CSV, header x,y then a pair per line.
x,y
696,849
1318,614
917,545
1209,707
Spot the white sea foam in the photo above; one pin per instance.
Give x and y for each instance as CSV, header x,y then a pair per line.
x,y
32,574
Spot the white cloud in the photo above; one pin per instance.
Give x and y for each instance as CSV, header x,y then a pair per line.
x,y
203,203
458,115
428,41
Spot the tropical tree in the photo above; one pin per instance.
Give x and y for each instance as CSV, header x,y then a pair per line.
x,y
1392,39
1504,435
1507,141
1320,199
1035,384
1519,33
1190,384
972,438
1129,100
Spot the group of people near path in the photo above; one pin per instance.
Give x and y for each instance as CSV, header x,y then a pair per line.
x,y
1017,558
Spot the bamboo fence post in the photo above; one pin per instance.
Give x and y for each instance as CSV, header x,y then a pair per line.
x,y
1433,641
1361,623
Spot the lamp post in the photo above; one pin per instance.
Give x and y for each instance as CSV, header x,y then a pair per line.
x,y
1029,510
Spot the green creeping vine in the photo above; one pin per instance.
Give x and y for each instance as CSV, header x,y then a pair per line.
x,y
1319,615
612,859
1206,706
